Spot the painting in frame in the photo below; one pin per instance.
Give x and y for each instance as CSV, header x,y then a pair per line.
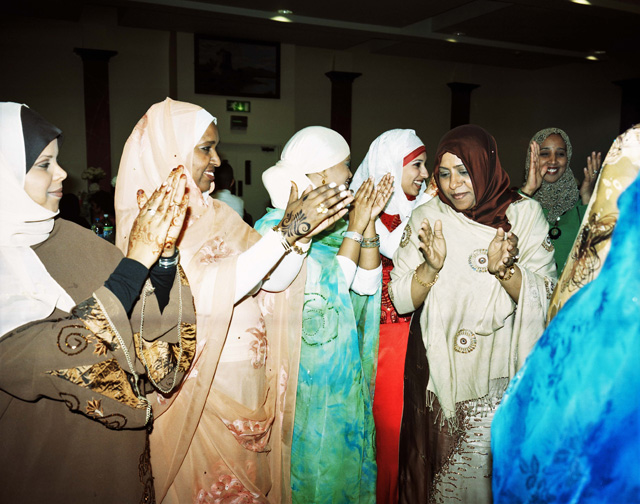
x,y
231,67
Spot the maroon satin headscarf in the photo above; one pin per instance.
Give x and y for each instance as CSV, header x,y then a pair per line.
x,y
478,151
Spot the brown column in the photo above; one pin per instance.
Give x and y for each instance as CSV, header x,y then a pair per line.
x,y
341,91
460,102
95,65
630,105
173,65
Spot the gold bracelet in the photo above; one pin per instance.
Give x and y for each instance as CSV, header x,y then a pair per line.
x,y
425,285
301,248
507,275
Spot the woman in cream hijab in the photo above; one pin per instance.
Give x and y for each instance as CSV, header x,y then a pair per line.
x,y
226,434
333,450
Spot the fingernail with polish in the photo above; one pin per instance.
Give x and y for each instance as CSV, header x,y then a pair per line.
x,y
342,187
332,185
344,193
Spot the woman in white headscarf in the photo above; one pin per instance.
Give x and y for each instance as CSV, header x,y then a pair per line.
x,y
79,353
333,449
401,153
226,434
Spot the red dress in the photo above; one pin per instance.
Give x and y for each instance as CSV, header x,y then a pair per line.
x,y
387,402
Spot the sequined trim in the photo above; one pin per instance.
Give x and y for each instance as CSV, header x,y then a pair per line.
x,y
183,276
465,341
478,260
406,236
549,286
547,244
318,313
106,378
146,476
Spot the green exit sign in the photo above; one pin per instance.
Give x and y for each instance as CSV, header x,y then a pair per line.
x,y
238,106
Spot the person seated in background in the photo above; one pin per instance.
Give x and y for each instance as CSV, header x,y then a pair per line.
x,y
76,369
225,188
70,210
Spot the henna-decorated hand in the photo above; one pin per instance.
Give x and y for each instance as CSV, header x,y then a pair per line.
x,y
314,211
360,211
432,244
502,252
384,190
594,161
536,172
158,225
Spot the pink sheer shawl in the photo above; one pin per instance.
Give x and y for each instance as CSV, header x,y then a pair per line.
x,y
227,432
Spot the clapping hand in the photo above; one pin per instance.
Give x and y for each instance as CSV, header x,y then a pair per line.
x,y
384,190
536,173
360,213
594,161
314,211
159,223
432,244
503,252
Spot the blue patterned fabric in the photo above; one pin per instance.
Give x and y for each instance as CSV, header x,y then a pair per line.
x,y
568,429
333,449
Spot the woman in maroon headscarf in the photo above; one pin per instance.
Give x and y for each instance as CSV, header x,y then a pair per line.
x,y
486,255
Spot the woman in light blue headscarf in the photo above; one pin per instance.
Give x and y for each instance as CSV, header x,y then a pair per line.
x,y
333,453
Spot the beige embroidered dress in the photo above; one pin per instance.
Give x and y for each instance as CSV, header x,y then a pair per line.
x,y
476,337
74,414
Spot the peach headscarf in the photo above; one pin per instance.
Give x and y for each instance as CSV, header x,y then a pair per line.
x,y
205,441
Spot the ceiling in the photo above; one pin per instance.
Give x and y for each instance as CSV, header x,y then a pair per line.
x,y
527,34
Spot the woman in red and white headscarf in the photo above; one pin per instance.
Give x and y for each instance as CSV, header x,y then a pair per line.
x,y
478,259
401,153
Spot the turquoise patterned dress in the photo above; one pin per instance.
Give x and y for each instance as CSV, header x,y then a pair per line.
x,y
333,451
568,429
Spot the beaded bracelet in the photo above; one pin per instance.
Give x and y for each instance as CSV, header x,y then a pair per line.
x,y
169,262
419,280
371,242
357,237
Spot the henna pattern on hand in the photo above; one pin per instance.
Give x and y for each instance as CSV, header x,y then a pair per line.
x,y
295,225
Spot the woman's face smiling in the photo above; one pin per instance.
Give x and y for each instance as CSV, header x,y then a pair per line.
x,y
43,182
205,159
413,175
455,182
553,155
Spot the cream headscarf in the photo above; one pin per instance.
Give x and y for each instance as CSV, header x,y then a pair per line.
x,y
560,196
386,155
310,150
28,292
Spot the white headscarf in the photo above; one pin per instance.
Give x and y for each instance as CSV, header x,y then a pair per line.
x,y
310,150
386,155
27,291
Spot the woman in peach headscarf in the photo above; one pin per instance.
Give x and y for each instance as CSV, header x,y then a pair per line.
x,y
227,433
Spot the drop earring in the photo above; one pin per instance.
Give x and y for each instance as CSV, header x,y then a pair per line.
x,y
324,182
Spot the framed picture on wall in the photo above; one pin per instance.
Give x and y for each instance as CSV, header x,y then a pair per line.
x,y
237,67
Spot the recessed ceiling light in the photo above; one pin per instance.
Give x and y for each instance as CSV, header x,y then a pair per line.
x,y
284,12
599,52
280,19
582,2
451,40
592,58
459,34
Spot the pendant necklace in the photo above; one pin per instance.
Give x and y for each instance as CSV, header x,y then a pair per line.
x,y
554,232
